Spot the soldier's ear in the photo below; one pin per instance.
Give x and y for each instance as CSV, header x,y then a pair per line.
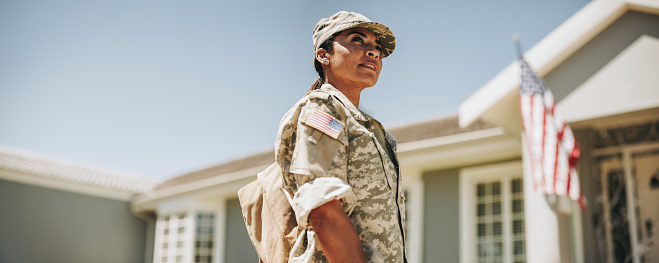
x,y
323,56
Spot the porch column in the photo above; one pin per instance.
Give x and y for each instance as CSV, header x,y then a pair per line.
x,y
547,229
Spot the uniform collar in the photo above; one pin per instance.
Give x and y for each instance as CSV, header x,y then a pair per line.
x,y
356,113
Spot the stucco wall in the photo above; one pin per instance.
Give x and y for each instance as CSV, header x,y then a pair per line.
x,y
238,247
44,225
441,216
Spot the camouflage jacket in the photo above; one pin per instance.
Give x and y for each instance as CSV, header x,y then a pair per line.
x,y
328,149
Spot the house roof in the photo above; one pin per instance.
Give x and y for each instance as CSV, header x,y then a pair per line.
x,y
28,167
404,134
497,100
434,128
255,160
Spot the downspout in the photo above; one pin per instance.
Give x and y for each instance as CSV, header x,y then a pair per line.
x,y
150,218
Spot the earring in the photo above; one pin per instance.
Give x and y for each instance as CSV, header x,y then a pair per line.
x,y
326,61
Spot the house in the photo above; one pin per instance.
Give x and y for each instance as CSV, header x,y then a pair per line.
x,y
53,210
465,176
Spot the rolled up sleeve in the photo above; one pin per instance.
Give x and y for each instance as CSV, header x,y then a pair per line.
x,y
318,192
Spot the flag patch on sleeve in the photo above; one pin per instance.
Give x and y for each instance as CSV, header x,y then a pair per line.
x,y
325,123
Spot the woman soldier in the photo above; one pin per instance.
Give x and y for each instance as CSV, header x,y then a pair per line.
x,y
339,165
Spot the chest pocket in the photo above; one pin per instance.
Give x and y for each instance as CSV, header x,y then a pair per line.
x,y
387,165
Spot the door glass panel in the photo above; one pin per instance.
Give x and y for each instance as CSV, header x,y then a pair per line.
x,y
646,172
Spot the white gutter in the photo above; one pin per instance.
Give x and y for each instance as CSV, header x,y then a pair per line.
x,y
148,201
405,148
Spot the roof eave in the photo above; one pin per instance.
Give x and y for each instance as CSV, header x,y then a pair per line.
x,y
67,186
224,184
25,167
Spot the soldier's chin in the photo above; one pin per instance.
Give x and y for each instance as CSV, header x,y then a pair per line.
x,y
371,83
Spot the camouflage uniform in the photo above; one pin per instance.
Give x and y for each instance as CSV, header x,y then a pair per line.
x,y
358,166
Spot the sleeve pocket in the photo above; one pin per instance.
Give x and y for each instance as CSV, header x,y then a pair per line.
x,y
324,123
313,154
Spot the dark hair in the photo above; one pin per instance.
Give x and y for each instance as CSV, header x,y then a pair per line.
x,y
328,45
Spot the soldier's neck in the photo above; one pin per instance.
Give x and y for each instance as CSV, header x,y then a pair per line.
x,y
352,93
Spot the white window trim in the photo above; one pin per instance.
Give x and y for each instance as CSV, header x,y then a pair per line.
x,y
189,237
414,186
219,255
157,240
468,178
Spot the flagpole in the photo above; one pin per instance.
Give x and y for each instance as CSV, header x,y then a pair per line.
x,y
518,47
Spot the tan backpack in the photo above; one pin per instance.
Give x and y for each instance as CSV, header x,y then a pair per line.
x,y
268,215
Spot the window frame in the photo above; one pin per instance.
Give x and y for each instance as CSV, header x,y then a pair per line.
x,y
183,219
189,236
469,178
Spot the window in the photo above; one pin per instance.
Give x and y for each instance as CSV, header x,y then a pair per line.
x,y
171,238
205,223
492,212
185,237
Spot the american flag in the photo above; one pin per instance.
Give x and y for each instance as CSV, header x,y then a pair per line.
x,y
325,123
552,148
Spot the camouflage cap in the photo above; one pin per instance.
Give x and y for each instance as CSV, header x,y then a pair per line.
x,y
343,20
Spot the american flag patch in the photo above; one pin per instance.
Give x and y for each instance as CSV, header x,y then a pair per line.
x,y
325,123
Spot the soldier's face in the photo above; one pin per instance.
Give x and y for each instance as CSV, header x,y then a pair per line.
x,y
355,60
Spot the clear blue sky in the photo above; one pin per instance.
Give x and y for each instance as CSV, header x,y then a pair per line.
x,y
160,88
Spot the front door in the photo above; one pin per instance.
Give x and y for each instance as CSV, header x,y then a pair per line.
x,y
630,201
645,168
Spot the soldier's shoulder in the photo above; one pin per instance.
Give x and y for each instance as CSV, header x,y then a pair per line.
x,y
318,95
322,100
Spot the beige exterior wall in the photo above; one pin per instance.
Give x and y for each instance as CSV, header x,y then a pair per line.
x,y
441,221
238,247
46,225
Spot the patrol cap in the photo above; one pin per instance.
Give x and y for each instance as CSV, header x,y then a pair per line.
x,y
343,20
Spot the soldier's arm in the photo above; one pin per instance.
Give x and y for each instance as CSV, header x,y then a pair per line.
x,y
336,233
